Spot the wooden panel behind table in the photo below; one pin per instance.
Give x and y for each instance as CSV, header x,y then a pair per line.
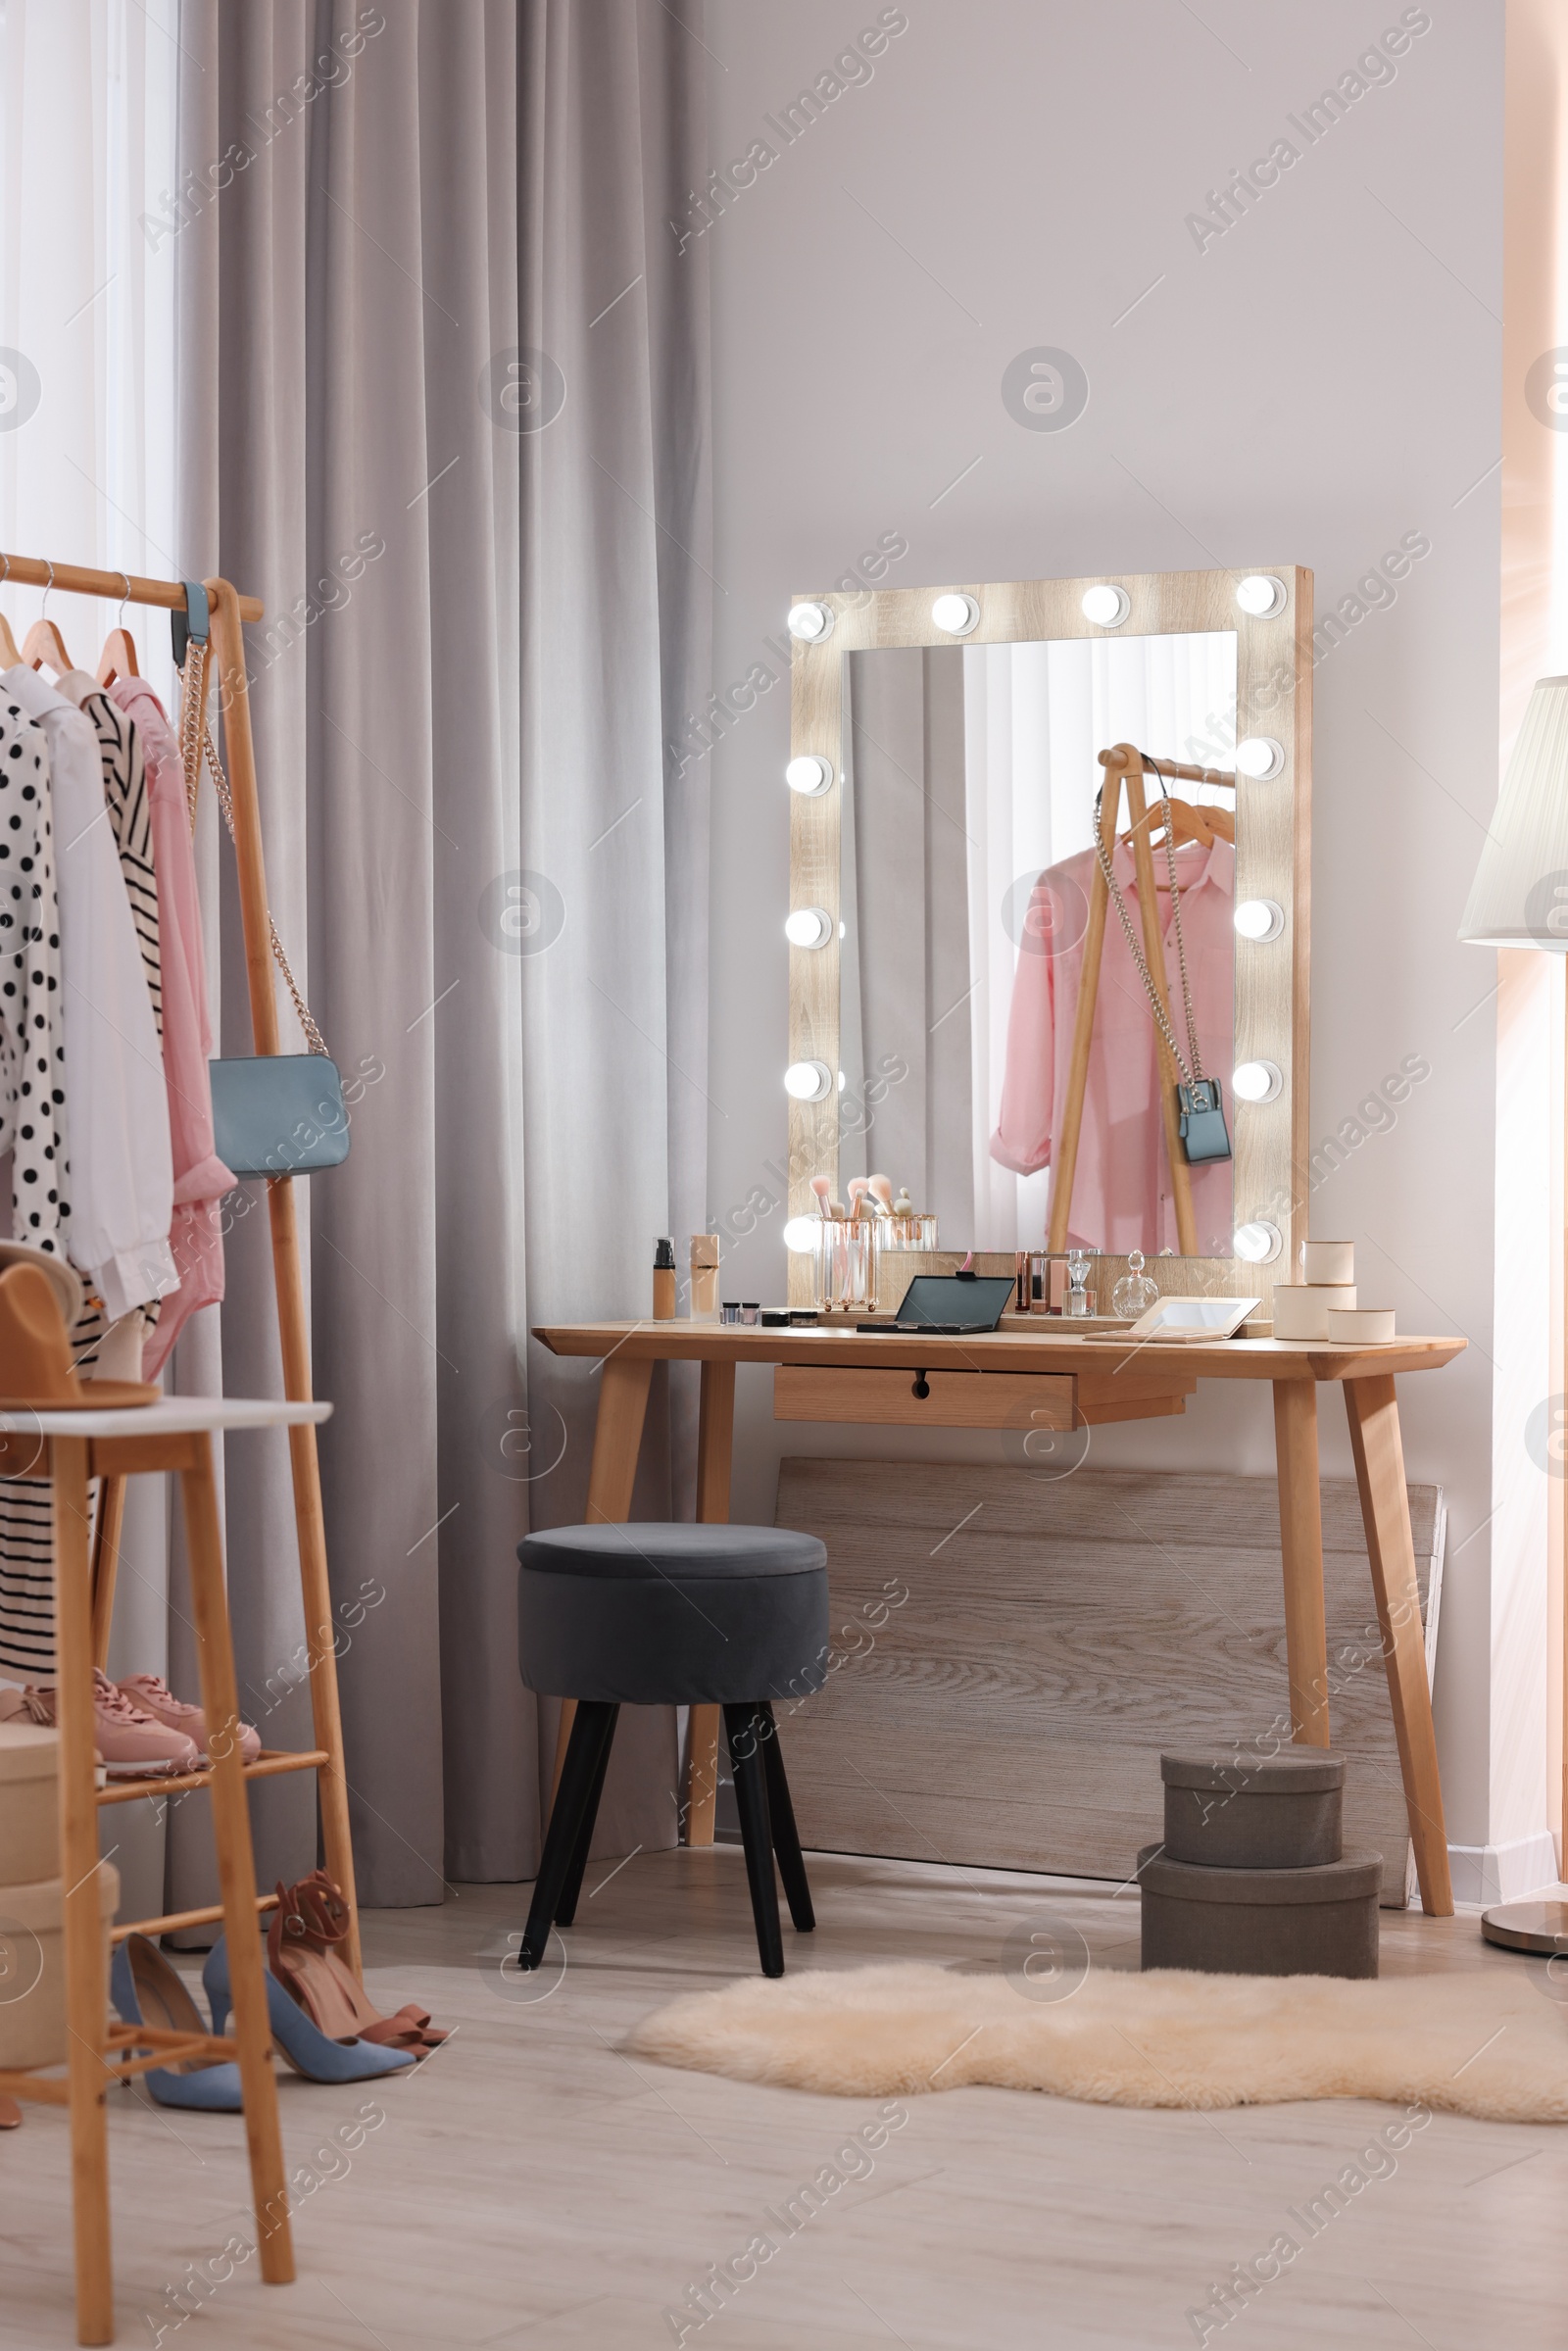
x,y
1057,1636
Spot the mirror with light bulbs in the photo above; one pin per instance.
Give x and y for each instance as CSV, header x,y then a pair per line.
x,y
960,759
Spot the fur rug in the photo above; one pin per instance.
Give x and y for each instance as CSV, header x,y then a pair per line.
x,y
1492,2043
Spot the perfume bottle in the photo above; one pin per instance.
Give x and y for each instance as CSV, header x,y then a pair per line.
x,y
1135,1292
1079,1302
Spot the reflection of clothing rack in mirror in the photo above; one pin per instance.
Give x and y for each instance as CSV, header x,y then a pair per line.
x,y
1125,766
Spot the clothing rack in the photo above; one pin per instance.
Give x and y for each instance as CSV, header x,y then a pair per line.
x,y
1125,765
228,610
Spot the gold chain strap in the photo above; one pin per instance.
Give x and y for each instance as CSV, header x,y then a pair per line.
x,y
1194,1075
195,742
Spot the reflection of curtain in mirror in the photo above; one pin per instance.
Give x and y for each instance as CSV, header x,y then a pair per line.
x,y
1035,719
906,969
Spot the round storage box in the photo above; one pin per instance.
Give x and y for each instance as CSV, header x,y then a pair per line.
x,y
1276,1812
33,1968
29,1803
1367,1326
1318,1922
1301,1309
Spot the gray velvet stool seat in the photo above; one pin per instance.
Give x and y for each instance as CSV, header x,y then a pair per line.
x,y
660,1615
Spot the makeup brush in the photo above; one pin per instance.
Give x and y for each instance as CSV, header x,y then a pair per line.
x,y
824,1195
881,1190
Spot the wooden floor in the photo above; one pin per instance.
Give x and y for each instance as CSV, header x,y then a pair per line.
x,y
530,2187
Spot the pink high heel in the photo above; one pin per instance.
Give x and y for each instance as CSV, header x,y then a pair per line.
x,y
311,1918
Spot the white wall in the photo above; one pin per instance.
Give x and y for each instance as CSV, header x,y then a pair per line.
x,y
1311,386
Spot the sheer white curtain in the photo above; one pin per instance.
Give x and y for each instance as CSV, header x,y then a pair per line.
x,y
1035,719
87,174
87,195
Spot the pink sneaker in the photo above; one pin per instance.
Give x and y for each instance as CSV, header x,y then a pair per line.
x,y
132,1744
155,1696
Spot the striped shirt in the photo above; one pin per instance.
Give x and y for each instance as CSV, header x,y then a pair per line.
x,y
130,819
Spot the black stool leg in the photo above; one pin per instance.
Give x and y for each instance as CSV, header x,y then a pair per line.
x,y
565,1818
786,1836
567,1907
750,1800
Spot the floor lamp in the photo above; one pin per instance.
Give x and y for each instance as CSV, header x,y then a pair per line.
x,y
1520,898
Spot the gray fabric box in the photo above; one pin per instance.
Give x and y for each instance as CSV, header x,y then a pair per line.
x,y
1280,1812
1236,1922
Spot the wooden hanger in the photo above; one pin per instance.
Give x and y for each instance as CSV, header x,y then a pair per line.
x,y
119,656
45,644
1189,823
10,658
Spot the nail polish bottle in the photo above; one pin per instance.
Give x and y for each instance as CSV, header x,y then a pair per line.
x,y
664,1281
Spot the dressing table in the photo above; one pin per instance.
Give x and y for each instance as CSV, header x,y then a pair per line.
x,y
1014,1378
1018,959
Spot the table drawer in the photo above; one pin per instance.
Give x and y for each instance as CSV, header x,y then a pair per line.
x,y
955,1399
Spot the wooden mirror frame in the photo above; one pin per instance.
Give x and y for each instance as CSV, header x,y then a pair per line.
x,y
1273,861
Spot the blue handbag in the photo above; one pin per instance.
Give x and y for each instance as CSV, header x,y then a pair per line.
x,y
273,1115
278,1115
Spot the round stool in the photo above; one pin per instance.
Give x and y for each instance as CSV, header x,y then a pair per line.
x,y
660,1615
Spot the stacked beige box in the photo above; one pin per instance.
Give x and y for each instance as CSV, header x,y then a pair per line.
x,y
32,1971
1324,1305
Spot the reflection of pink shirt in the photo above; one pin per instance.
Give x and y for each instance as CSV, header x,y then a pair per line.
x,y
200,1177
1121,1195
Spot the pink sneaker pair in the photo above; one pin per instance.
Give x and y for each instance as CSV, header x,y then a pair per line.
x,y
142,1731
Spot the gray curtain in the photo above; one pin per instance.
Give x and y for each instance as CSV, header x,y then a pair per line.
x,y
443,406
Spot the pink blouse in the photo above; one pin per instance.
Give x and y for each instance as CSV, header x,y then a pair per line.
x,y
200,1177
1121,1198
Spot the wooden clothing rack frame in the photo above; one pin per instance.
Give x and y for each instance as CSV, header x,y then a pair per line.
x,y
228,610
1125,765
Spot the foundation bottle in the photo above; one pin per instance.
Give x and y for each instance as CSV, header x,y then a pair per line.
x,y
704,1277
664,1281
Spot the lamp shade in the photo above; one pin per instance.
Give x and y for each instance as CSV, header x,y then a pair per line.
x,y
1519,897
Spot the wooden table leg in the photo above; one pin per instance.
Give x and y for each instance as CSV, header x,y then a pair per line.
x,y
86,1991
236,1866
105,1565
1374,1417
715,1446
623,1387
1301,1549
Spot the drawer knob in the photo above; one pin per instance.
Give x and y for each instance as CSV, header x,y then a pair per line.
x,y
920,1385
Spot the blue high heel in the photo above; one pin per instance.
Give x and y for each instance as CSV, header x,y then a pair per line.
x,y
141,1978
306,2049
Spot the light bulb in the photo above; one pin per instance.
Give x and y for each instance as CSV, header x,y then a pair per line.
x,y
809,773
1106,606
1256,1081
808,1081
1260,757
809,622
1261,595
956,614
808,926
1259,1244
1259,919
800,1234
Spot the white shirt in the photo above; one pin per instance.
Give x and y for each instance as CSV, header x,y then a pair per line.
x,y
116,1105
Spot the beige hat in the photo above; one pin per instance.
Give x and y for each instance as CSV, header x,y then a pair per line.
x,y
36,1370
66,1282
